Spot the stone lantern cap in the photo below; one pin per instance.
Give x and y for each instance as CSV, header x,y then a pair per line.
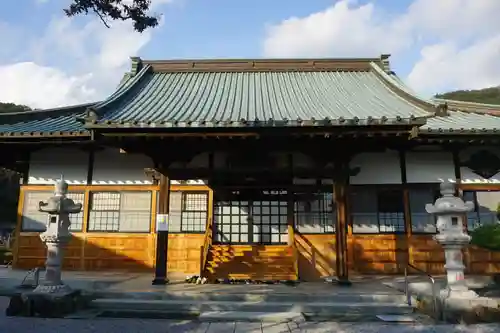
x,y
59,203
449,203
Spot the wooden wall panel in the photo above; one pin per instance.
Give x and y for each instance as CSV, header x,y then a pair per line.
x,y
114,251
480,261
426,254
316,256
184,253
32,252
377,254
131,252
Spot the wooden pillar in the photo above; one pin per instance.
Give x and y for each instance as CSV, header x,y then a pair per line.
x,y
162,236
341,232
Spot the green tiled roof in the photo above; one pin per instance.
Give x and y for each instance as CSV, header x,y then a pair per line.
x,y
219,98
463,118
459,122
50,122
324,92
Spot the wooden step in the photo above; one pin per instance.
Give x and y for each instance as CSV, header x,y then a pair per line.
x,y
255,262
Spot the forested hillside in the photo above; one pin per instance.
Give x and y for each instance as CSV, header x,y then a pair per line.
x,y
486,96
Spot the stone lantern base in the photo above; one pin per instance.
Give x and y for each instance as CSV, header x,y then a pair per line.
x,y
45,304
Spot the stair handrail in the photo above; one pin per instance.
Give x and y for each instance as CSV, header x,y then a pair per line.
x,y
207,242
295,259
433,283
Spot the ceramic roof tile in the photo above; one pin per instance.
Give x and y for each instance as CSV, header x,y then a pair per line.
x,y
459,122
47,122
202,98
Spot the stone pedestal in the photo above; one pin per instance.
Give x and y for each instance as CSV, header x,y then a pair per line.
x,y
46,305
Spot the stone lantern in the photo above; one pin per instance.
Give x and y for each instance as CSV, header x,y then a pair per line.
x,y
450,210
57,235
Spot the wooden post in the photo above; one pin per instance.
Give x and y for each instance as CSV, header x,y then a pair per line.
x,y
341,233
162,236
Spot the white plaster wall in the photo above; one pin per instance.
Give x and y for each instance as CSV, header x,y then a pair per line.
x,y
377,168
468,176
48,164
430,167
114,168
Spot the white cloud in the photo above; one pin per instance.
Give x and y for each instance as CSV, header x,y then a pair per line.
x,y
72,62
448,67
458,41
38,86
343,30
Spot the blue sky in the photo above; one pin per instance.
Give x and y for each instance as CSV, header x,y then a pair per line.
x,y
436,45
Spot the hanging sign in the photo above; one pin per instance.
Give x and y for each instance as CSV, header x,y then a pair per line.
x,y
161,222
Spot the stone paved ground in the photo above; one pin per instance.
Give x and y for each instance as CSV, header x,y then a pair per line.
x,y
27,325
34,325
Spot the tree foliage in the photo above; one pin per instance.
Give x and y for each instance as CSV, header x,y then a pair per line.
x,y
136,11
11,107
487,237
486,96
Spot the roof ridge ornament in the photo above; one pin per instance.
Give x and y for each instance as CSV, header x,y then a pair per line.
x,y
441,110
386,65
89,116
136,65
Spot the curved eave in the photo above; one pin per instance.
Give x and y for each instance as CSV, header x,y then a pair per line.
x,y
122,91
394,83
258,123
41,135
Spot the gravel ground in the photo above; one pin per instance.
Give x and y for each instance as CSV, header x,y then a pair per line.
x,y
36,325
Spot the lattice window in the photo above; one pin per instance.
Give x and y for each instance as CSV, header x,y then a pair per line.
x,y
391,216
485,208
315,212
125,211
269,219
421,221
34,220
363,210
188,211
232,221
377,210
252,217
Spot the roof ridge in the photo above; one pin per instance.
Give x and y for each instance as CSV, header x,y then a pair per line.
x,y
262,64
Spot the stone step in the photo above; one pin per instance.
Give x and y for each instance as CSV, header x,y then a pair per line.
x,y
318,308
342,297
274,317
214,274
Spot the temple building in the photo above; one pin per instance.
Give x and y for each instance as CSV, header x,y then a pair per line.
x,y
267,169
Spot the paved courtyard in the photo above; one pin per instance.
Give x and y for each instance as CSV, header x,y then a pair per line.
x,y
135,283
29,325
35,325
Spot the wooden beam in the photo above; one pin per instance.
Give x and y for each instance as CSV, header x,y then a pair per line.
x,y
161,277
341,233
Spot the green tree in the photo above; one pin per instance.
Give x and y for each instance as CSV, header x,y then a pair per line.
x,y
137,11
11,107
